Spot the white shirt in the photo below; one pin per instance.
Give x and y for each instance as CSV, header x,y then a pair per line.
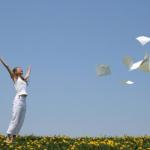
x,y
20,86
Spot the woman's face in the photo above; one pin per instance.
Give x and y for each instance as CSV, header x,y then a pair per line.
x,y
19,71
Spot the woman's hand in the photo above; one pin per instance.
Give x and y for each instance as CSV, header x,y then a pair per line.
x,y
28,73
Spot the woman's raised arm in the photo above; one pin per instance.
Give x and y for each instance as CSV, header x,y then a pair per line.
x,y
8,69
28,73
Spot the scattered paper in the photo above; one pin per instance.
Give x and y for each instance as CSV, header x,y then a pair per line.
x,y
128,82
128,61
142,64
136,65
143,40
145,66
103,70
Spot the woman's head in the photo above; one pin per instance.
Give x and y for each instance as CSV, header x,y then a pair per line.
x,y
18,71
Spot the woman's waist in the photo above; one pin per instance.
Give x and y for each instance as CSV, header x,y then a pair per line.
x,y
22,92
20,99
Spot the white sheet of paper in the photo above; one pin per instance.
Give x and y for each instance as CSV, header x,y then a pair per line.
x,y
144,63
143,40
128,61
129,82
145,66
103,70
136,65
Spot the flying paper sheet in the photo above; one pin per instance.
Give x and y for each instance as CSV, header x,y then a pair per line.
x,y
136,65
103,70
129,82
128,61
145,66
143,39
133,66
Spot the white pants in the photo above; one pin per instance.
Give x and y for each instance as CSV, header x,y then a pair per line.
x,y
18,115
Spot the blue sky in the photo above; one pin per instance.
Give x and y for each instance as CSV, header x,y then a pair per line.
x,y
64,41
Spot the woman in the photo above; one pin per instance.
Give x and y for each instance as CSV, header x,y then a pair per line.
x,y
19,103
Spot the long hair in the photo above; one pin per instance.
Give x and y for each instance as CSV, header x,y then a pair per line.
x,y
14,71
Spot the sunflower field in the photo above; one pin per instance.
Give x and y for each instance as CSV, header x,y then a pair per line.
x,y
79,143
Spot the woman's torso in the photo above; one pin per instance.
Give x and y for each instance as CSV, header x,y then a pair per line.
x,y
20,87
